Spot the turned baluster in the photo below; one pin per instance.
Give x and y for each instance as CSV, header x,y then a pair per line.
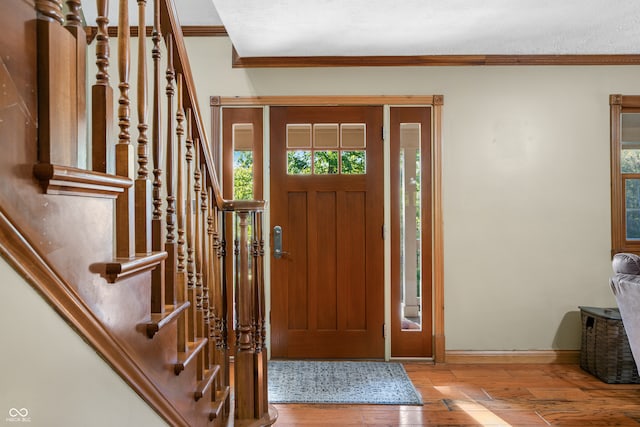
x,y
200,233
175,268
204,256
191,276
50,9
255,281
210,279
156,149
125,214
197,238
188,212
73,13
262,403
223,313
174,165
215,317
101,93
74,25
197,253
123,73
142,184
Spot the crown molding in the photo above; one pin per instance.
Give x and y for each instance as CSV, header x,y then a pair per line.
x,y
429,60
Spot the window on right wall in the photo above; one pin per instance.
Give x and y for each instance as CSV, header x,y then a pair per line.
x,y
625,173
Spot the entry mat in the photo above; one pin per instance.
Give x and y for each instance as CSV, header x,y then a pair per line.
x,y
341,382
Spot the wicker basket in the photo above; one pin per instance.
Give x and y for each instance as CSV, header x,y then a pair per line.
x,y
605,350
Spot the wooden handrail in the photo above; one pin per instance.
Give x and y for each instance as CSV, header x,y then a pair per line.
x,y
169,24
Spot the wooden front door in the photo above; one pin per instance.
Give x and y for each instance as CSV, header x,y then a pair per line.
x,y
327,294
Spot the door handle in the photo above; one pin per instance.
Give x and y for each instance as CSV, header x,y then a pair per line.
x,y
277,242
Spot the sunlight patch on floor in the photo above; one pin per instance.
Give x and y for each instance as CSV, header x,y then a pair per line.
x,y
481,414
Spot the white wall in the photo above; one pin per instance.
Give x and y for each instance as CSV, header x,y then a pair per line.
x,y
49,370
525,183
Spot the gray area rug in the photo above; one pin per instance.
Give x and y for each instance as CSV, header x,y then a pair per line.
x,y
380,383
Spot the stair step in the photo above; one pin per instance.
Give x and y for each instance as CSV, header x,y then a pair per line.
x,y
125,267
70,181
218,405
184,358
160,320
203,386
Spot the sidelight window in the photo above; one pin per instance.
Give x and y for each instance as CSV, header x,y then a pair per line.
x,y
410,225
242,136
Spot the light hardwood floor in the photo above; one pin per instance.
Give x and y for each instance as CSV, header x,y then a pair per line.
x,y
488,395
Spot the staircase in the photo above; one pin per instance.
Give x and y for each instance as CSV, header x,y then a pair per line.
x,y
134,249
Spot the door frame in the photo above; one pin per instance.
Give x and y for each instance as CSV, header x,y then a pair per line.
x,y
387,101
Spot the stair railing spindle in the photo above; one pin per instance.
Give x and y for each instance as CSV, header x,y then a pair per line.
x,y
52,9
101,93
156,149
191,278
205,262
197,254
143,192
74,25
125,215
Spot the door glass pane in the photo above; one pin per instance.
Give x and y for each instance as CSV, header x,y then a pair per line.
x,y
243,136
299,162
630,160
325,162
632,208
243,175
354,162
325,135
242,139
299,136
410,226
630,155
353,135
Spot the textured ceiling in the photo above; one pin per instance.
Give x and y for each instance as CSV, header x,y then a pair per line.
x,y
420,27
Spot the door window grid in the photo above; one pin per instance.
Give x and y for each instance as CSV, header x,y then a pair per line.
x,y
326,149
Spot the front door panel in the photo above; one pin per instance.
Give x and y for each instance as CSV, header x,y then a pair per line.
x,y
326,195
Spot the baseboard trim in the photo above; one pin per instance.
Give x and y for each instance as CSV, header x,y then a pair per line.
x,y
513,357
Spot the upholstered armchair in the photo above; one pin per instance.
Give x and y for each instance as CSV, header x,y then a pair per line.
x,y
625,285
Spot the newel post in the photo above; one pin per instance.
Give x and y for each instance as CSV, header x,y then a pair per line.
x,y
251,399
245,332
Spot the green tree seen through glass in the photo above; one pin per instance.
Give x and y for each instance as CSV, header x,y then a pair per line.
x,y
325,162
354,162
299,162
243,175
